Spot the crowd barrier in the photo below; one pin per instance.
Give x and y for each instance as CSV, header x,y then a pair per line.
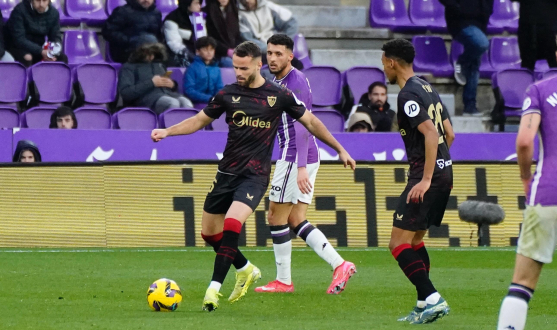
x,y
121,145
159,204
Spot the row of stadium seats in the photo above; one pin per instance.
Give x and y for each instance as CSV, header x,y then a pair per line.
x,y
423,15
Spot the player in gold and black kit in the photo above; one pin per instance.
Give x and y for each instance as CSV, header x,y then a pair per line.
x,y
253,107
427,133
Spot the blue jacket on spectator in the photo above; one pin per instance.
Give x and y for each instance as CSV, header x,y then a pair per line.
x,y
202,81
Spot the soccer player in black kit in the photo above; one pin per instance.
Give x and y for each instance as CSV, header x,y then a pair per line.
x,y
253,108
427,133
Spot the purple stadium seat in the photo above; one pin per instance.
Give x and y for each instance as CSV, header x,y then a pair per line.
x,y
37,117
134,119
174,116
64,18
504,53
9,118
178,76
228,75
220,124
332,119
513,83
7,6
431,56
53,81
549,73
391,14
98,81
93,118
326,84
429,14
91,12
112,4
301,50
166,6
504,17
82,47
486,69
359,78
13,86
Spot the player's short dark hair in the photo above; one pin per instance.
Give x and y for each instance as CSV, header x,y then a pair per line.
x,y
375,84
281,40
247,48
205,42
400,50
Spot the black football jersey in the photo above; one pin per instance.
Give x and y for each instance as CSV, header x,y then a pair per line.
x,y
253,116
418,102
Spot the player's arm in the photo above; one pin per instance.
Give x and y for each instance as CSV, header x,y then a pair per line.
x,y
449,132
302,139
431,140
529,124
317,128
188,126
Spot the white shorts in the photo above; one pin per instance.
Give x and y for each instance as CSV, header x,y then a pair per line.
x,y
538,234
284,186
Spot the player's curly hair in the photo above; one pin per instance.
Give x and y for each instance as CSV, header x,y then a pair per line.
x,y
400,50
247,48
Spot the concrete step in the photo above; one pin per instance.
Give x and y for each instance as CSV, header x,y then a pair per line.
x,y
343,59
331,16
335,38
309,2
471,124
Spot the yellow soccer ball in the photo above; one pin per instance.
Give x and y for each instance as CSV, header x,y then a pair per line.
x,y
164,295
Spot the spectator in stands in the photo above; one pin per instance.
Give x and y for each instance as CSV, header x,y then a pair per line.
x,y
63,118
180,31
30,24
375,104
202,80
144,82
4,55
130,26
360,122
26,152
536,32
467,23
260,19
224,26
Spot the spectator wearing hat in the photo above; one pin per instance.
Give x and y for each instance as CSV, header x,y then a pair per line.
x,y
360,122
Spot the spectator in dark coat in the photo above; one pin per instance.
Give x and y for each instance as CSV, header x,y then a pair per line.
x,y
63,118
202,80
142,81
375,104
26,152
536,32
4,55
130,26
467,23
223,25
30,23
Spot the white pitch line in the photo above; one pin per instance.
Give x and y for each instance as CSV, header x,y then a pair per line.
x,y
202,250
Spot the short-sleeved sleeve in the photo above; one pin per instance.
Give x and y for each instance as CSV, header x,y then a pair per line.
x,y
294,107
531,101
216,106
413,108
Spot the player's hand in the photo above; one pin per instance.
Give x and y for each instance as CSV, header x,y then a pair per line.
x,y
158,134
526,184
416,194
347,160
303,180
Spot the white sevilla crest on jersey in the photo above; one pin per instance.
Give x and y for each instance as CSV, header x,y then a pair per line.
x,y
411,108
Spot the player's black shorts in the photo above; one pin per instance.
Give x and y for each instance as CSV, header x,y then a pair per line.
x,y
227,188
421,216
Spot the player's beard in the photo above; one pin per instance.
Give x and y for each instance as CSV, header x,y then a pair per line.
x,y
279,70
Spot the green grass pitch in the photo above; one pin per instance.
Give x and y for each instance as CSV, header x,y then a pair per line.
x,y
106,289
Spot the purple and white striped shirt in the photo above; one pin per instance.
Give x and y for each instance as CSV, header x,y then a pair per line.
x,y
296,143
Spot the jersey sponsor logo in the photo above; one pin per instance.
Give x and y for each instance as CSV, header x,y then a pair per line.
x,y
272,100
402,132
552,99
442,163
240,119
411,108
527,103
236,100
276,188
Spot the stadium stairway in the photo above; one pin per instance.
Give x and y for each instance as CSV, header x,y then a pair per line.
x,y
338,34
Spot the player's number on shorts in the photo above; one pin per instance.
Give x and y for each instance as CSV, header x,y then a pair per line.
x,y
434,112
213,185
